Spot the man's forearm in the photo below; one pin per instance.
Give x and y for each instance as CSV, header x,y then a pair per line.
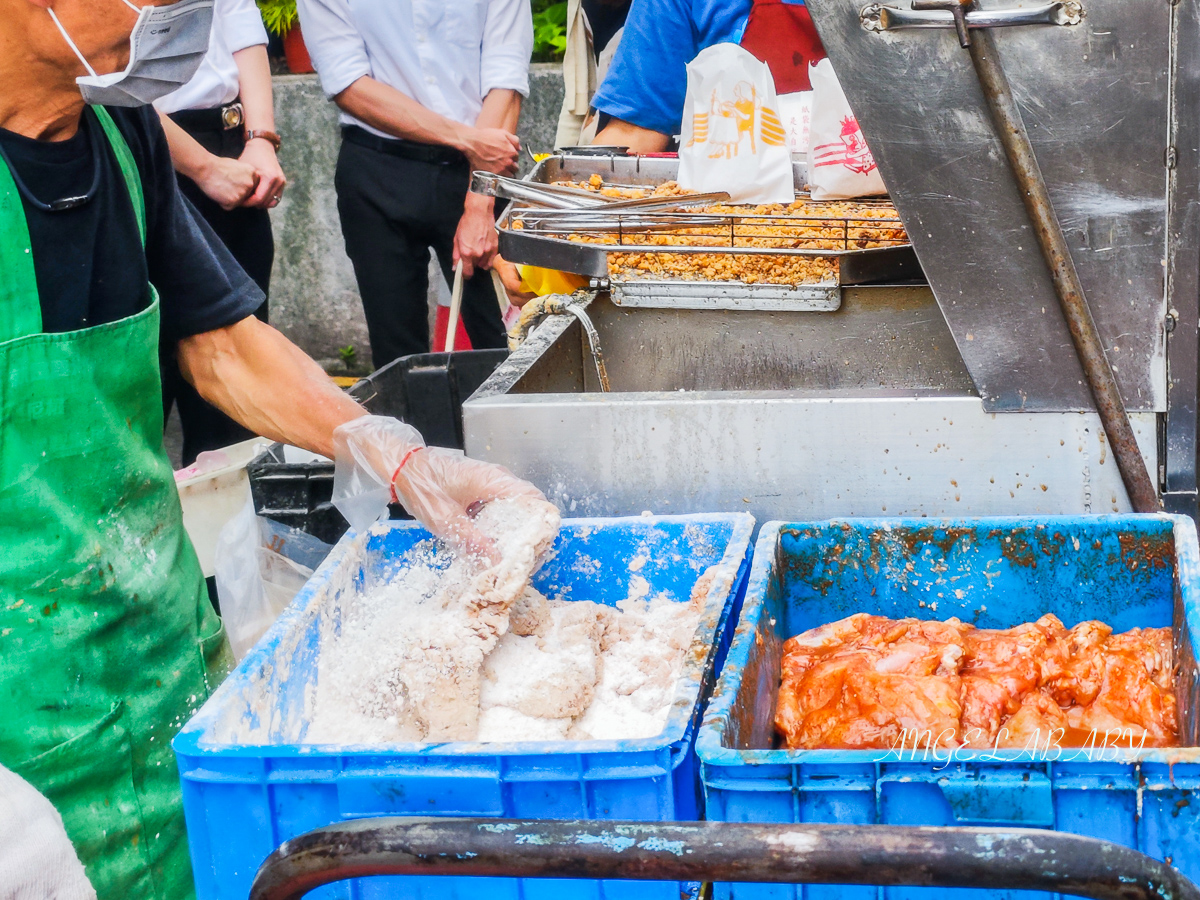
x,y
619,133
395,113
254,88
259,378
501,109
188,157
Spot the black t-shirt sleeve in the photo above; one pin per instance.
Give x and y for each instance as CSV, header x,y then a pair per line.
x,y
200,285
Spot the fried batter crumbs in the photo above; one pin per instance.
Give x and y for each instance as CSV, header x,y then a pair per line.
x,y
801,225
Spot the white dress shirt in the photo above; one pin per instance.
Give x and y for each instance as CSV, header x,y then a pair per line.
x,y
236,25
445,54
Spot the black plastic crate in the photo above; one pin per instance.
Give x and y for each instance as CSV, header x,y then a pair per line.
x,y
426,390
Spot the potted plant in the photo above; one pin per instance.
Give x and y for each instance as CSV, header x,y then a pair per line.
x,y
549,30
281,18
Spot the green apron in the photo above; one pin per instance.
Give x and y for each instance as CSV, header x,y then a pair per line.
x,y
107,639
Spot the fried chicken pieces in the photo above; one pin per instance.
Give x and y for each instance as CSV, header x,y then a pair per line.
x,y
866,681
802,225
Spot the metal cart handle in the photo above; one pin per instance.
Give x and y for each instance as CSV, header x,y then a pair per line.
x,y
877,17
1013,859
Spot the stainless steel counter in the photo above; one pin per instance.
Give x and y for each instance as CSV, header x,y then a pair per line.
x,y
864,411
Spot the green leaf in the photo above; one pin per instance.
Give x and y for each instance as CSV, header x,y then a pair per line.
x,y
549,31
278,15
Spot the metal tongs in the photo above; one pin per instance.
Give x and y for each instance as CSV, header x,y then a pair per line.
x,y
558,197
601,220
554,196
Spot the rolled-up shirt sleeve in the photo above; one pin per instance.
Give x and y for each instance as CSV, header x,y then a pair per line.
x,y
241,25
337,49
507,47
648,78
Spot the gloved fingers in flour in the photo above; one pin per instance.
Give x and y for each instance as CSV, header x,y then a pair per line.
x,y
443,489
475,483
381,459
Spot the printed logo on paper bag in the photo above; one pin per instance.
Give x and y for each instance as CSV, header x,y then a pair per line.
x,y
851,151
729,124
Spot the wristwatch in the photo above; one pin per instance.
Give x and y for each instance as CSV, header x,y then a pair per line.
x,y
269,136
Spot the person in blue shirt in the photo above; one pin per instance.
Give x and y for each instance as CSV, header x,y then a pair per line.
x,y
642,95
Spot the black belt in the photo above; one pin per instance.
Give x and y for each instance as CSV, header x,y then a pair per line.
x,y
426,153
221,118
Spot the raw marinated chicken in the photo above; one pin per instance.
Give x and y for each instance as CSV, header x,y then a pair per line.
x,y
869,682
1135,693
1037,721
861,682
999,668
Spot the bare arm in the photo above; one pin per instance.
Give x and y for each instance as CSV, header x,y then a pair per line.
x,y
259,378
394,112
619,133
475,241
227,181
254,86
253,373
501,109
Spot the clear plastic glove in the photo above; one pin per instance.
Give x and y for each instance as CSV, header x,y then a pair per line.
x,y
380,459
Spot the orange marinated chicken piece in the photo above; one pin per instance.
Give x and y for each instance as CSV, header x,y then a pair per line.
x,y
1037,723
803,651
1000,667
1073,667
1135,697
863,682
1154,647
849,703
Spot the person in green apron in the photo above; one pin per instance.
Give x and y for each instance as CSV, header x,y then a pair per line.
x,y
108,642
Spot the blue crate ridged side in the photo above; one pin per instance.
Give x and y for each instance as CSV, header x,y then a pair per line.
x,y
248,784
1128,571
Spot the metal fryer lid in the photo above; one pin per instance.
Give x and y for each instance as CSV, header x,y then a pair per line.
x,y
1095,100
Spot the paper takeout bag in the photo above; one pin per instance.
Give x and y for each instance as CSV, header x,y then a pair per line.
x,y
795,111
840,164
732,137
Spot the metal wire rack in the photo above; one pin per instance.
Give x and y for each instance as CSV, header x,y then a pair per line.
x,y
722,229
720,233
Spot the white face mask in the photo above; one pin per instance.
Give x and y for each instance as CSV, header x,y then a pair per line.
x,y
166,48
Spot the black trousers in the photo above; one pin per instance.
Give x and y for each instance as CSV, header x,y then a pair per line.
x,y
393,209
247,234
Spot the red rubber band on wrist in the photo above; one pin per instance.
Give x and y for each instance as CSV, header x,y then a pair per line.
x,y
396,474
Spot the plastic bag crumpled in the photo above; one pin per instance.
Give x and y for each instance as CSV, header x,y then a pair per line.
x,y
440,488
260,567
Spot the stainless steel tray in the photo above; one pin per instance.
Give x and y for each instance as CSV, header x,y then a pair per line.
x,y
535,243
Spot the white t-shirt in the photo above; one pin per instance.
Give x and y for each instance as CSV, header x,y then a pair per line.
x,y
445,54
236,26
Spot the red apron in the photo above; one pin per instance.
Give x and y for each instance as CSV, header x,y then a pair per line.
x,y
783,36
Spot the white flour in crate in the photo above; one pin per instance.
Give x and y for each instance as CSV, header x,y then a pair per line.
x,y
407,663
414,661
584,671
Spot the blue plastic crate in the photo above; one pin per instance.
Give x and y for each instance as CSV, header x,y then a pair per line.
x,y
248,784
1128,571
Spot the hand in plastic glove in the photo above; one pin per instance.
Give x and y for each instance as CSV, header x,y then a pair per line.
x,y
37,861
381,459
